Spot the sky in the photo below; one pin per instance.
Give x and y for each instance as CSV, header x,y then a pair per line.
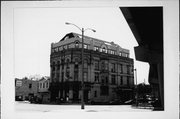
x,y
36,28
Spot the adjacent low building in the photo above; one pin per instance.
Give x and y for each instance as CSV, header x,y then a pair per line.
x,y
108,70
25,89
35,90
43,90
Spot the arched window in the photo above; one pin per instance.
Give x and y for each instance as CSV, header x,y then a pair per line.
x,y
86,64
67,61
120,54
76,44
104,50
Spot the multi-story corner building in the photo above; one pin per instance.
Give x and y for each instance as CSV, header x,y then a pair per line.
x,y
108,70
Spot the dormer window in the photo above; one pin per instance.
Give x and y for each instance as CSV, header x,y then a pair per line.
x,y
76,44
112,52
96,48
66,37
120,54
104,50
85,46
60,48
65,47
55,49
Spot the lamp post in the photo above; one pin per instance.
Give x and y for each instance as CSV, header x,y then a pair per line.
x,y
82,59
136,87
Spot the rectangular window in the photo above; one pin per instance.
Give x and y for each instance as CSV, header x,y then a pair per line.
x,y
96,48
100,49
121,68
113,79
96,65
47,84
85,76
75,76
103,65
106,79
127,80
112,52
43,85
95,93
75,72
58,65
67,74
62,76
96,77
30,85
106,66
128,69
39,85
113,66
57,75
121,80
85,46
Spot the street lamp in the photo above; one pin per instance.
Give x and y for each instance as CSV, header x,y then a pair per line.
x,y
82,58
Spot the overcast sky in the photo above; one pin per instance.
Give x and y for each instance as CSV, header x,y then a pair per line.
x,y
36,28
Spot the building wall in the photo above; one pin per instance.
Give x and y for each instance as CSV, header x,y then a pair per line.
x,y
43,85
27,88
43,90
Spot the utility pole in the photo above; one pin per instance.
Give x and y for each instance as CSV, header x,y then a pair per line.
x,y
82,60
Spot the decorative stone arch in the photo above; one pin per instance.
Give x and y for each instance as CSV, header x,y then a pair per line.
x,y
54,63
76,43
104,48
76,59
67,59
87,58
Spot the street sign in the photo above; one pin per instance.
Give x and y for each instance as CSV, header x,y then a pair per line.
x,y
18,83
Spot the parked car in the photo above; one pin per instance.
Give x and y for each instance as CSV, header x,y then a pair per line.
x,y
115,102
19,98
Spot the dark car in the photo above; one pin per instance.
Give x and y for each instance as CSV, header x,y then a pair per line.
x,y
19,98
115,102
